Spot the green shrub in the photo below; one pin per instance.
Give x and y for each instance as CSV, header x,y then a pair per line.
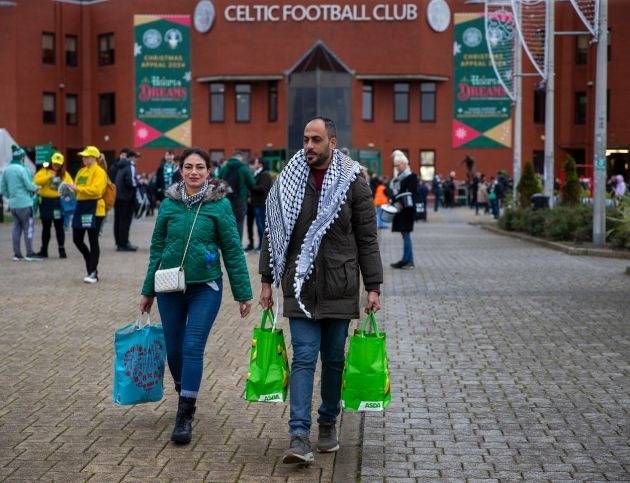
x,y
527,186
570,193
569,223
618,221
533,222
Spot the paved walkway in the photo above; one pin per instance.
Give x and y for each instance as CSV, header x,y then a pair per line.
x,y
509,361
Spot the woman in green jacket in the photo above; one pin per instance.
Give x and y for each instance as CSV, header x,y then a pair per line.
x,y
187,317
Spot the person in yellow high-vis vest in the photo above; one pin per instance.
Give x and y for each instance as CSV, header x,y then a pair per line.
x,y
89,186
49,179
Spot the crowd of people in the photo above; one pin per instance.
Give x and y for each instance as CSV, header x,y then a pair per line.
x,y
116,192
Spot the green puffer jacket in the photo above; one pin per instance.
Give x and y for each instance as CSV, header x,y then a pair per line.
x,y
214,231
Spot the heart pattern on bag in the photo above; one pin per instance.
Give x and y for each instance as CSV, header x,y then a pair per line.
x,y
145,365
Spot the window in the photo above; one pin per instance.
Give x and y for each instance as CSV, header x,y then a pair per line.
x,y
368,102
539,106
48,48
217,155
49,102
217,102
581,49
243,102
272,113
427,164
72,59
538,157
401,102
72,104
428,91
106,49
580,108
107,108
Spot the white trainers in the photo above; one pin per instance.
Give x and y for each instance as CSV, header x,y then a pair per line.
x,y
91,278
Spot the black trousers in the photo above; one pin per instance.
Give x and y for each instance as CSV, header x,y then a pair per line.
x,y
250,224
61,236
92,254
123,215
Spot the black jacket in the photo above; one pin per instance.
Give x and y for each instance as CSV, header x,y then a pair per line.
x,y
258,194
125,181
405,218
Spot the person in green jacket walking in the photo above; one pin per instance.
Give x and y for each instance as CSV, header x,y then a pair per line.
x,y
187,317
17,185
240,179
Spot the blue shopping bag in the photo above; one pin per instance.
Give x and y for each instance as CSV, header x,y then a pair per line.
x,y
139,363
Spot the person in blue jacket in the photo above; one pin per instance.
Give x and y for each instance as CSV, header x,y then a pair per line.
x,y
17,185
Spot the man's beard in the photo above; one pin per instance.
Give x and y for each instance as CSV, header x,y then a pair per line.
x,y
321,159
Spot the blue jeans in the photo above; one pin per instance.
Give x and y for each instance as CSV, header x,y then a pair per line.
x,y
494,205
259,216
379,218
436,204
407,247
309,337
187,319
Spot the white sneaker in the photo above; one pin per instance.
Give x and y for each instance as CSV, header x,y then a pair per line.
x,y
91,278
18,259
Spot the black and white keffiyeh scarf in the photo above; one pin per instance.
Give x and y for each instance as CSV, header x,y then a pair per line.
x,y
192,199
284,204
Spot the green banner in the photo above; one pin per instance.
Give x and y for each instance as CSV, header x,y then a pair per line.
x,y
163,81
481,109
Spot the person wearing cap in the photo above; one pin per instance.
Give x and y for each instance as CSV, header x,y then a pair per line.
x,y
49,179
89,186
17,186
126,185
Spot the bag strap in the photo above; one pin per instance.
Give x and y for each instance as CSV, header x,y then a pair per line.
x,y
190,235
139,320
267,314
371,321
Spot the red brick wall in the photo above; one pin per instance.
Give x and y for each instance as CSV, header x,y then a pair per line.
x,y
273,48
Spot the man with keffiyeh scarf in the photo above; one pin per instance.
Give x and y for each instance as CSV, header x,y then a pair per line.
x,y
321,232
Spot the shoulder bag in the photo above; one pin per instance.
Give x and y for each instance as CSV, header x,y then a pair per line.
x,y
173,279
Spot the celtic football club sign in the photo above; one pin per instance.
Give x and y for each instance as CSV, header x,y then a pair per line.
x,y
162,87
481,107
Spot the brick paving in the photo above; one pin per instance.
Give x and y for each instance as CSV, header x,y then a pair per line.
x,y
57,421
509,362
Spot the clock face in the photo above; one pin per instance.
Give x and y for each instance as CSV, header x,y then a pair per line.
x,y
204,16
438,15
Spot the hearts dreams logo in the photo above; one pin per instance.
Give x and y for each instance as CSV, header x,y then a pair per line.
x,y
145,365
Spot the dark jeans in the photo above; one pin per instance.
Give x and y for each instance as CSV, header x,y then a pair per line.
x,y
92,254
239,207
250,224
187,318
436,205
59,232
310,337
123,215
260,214
494,206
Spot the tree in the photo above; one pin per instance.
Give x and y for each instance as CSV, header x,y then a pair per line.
x,y
570,194
527,186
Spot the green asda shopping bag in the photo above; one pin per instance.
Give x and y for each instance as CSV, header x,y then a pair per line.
x,y
268,376
366,384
